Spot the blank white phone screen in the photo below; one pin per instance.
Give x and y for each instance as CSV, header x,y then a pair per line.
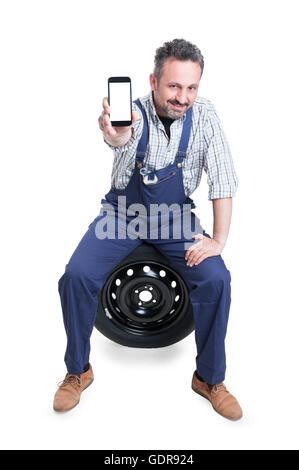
x,y
120,101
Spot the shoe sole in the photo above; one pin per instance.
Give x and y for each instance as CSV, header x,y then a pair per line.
x,y
69,409
204,396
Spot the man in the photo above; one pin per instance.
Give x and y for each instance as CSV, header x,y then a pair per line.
x,y
185,136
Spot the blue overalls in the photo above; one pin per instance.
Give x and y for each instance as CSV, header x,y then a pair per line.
x,y
94,258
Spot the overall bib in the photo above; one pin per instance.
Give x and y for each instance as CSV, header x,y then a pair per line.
x,y
94,258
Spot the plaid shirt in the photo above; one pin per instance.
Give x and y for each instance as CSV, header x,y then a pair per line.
x,y
207,149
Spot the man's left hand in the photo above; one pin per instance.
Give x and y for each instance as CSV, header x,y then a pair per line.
x,y
202,249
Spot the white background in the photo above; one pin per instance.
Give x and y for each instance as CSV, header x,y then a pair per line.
x,y
56,57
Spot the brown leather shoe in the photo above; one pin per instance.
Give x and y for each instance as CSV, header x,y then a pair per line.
x,y
70,389
222,401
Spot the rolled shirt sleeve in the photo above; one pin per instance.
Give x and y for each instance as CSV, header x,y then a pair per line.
x,y
217,162
124,156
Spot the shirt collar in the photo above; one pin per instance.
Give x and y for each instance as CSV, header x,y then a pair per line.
x,y
152,107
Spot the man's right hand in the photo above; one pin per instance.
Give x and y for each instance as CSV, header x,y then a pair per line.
x,y
115,136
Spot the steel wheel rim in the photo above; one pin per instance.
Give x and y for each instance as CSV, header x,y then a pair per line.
x,y
144,297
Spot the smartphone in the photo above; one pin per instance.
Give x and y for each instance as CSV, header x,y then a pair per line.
x,y
120,101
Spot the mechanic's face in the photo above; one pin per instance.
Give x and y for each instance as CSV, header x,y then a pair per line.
x,y
177,88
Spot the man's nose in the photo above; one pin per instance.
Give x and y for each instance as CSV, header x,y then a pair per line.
x,y
181,96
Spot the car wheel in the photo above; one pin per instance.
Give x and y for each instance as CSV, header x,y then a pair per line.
x,y
145,302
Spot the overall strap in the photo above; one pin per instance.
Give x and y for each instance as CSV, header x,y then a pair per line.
x,y
183,145
142,144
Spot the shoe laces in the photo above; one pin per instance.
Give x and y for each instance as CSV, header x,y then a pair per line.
x,y
218,387
70,379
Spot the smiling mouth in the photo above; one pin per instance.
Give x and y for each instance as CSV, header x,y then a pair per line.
x,y
178,106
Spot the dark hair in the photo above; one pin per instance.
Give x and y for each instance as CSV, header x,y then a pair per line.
x,y
179,49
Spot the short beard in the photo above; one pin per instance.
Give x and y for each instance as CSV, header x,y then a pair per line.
x,y
172,114
168,110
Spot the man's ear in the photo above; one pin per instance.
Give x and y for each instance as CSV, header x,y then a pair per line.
x,y
153,82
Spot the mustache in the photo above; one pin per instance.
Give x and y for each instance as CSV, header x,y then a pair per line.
x,y
175,102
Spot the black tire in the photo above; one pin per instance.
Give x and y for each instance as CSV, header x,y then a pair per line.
x,y
145,308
